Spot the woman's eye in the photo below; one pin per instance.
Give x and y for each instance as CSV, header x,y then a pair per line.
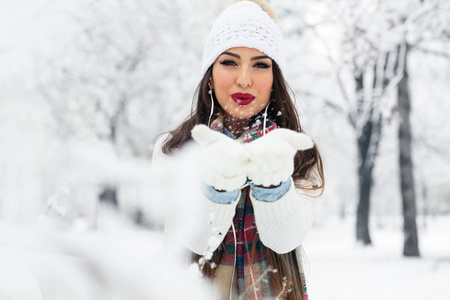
x,y
262,65
228,63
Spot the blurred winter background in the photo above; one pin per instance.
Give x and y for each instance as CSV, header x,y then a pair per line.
x,y
86,86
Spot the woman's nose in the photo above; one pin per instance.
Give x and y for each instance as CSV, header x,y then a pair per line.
x,y
244,79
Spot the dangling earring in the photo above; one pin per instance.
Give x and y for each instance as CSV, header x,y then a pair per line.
x,y
265,117
210,92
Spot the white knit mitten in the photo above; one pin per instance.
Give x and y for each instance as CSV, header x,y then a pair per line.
x,y
272,156
224,159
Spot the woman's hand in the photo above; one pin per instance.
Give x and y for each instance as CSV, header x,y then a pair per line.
x,y
272,156
224,160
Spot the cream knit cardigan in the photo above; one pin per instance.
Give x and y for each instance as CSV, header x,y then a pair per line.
x,y
282,225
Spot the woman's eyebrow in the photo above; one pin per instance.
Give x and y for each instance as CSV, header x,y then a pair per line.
x,y
259,57
238,56
232,54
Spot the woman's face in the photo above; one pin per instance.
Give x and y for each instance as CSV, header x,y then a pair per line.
x,y
242,81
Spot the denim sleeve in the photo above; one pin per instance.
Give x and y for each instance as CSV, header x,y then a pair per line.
x,y
270,194
218,197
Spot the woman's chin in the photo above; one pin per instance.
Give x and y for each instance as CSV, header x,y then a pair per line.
x,y
242,116
242,113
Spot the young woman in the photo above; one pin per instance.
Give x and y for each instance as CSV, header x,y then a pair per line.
x,y
261,174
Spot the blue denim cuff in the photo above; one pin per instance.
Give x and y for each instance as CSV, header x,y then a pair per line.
x,y
270,194
218,197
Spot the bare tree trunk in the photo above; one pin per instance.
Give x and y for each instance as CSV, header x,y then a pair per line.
x,y
365,184
367,139
411,241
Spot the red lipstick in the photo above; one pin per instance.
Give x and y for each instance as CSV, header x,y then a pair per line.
x,y
242,98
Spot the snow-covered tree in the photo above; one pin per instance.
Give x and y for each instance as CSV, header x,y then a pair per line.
x,y
421,23
126,73
366,46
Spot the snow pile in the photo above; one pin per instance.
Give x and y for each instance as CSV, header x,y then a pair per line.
x,y
62,258
124,264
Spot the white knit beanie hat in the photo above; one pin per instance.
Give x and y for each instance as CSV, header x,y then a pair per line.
x,y
244,24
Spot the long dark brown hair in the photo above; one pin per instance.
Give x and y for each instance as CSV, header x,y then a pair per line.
x,y
307,166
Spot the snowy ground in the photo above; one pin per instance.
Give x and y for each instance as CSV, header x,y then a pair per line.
x,y
341,269
120,263
123,264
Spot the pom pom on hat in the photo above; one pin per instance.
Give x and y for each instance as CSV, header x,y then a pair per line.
x,y
264,6
245,24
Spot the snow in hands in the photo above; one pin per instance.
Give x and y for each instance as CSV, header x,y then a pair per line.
x,y
267,161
